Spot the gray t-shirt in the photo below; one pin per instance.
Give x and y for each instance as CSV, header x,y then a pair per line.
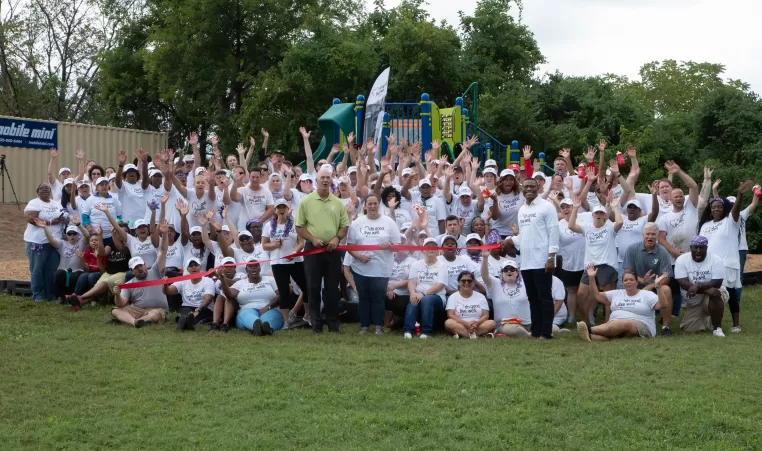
x,y
147,297
640,261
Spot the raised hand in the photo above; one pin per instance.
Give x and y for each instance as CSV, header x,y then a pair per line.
x,y
53,153
590,155
745,187
576,202
264,134
122,157
182,207
193,139
614,168
449,172
252,141
201,219
350,138
565,152
435,145
671,167
217,153
240,149
141,154
602,145
101,207
164,198
40,223
591,270
98,230
631,152
613,202
164,227
590,173
74,219
305,134
369,144
527,152
80,154
392,204
215,141
708,173
716,183
470,142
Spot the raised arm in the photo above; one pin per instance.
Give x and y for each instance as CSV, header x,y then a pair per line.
x,y
161,257
573,218
307,150
706,190
81,166
446,190
618,221
693,192
51,239
632,177
594,293
52,174
744,188
193,140
119,170
112,220
143,162
486,277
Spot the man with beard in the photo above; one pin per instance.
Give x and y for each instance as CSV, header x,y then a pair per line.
x,y
648,260
700,277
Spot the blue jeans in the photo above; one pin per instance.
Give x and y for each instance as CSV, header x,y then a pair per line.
x,y
86,282
742,256
246,317
372,294
430,307
42,267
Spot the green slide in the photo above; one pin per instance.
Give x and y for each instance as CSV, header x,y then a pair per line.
x,y
341,115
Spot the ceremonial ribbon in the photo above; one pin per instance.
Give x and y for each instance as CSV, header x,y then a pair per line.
x,y
313,251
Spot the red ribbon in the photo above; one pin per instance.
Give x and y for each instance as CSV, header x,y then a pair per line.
x,y
313,251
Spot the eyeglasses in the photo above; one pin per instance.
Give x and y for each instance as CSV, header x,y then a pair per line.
x,y
244,238
510,270
466,281
72,233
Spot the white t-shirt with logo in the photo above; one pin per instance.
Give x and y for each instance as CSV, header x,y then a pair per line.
x,y
639,307
467,309
630,233
259,253
133,200
571,247
427,276
374,231
559,293
69,257
196,206
510,301
99,218
218,285
400,272
401,215
465,214
680,227
255,295
600,246
193,294
254,204
288,245
723,240
435,209
143,249
455,267
508,204
175,258
698,272
47,211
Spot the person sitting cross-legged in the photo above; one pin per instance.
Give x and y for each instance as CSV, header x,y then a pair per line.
x,y
632,310
701,277
257,298
467,310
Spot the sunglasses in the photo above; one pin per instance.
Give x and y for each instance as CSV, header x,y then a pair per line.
x,y
467,281
244,238
510,270
72,233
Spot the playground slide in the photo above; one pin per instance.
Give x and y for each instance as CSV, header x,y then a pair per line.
x,y
340,115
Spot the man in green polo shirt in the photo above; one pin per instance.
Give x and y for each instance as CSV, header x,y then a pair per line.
x,y
648,260
322,221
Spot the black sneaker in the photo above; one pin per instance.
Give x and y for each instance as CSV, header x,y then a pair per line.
x,y
214,327
224,328
257,329
181,322
190,322
266,329
140,323
665,332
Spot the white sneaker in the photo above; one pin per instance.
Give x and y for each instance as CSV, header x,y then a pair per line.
x,y
718,332
408,336
735,330
472,336
424,336
456,336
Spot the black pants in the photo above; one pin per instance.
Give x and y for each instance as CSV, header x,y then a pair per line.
x,y
398,304
204,315
59,282
283,275
318,268
538,286
173,300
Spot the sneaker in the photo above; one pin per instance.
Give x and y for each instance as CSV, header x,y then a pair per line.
x,y
408,336
489,335
190,321
735,329
583,331
423,336
665,332
379,332
292,318
472,336
455,336
257,328
74,300
266,329
285,326
363,332
563,331
214,327
111,320
718,332
140,323
181,322
224,328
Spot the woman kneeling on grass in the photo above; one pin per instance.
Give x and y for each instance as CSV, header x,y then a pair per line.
x,y
257,298
632,310
467,310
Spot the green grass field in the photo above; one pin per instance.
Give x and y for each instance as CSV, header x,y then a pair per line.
x,y
71,382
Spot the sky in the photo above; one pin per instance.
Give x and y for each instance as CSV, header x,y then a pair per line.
x,y
593,37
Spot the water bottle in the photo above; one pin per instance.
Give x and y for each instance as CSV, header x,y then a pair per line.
x,y
581,171
619,159
757,191
417,329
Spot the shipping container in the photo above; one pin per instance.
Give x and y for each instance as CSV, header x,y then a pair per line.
x,y
26,144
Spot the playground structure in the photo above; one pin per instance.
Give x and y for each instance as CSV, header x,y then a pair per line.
x,y
423,121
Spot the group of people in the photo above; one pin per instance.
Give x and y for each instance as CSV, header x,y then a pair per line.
x,y
509,252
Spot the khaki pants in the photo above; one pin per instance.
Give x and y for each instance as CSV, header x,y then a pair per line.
x,y
696,317
155,314
517,330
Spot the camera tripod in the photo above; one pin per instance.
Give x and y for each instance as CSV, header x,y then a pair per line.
x,y
4,173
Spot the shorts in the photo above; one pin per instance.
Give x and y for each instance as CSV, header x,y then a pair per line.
x,y
606,276
696,317
112,280
732,278
643,330
569,278
138,312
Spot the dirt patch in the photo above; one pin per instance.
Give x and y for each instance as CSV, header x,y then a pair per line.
x,y
13,262
753,263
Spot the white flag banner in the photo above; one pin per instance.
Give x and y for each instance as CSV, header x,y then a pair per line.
x,y
374,108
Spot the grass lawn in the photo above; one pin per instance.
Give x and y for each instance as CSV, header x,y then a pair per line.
x,y
71,382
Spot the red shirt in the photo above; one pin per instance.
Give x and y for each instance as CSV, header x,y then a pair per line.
x,y
91,262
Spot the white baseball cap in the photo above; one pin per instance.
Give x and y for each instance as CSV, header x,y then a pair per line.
x,y
511,263
68,182
489,163
633,202
506,173
351,169
72,228
406,226
473,236
567,201
129,167
138,223
251,259
195,229
539,174
305,177
245,233
490,170
327,167
111,177
101,180
188,158
227,260
62,170
280,202
731,199
406,171
225,228
445,237
465,191
153,172
136,261
429,241
434,161
199,170
424,182
599,209
192,260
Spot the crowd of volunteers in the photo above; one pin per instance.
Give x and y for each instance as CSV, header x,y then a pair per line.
x,y
511,252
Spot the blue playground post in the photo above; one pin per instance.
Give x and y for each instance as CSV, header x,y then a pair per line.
x,y
426,132
384,135
514,154
359,104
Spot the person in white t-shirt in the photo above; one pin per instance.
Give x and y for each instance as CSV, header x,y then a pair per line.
x,y
56,182
743,246
509,298
257,298
426,284
397,293
630,312
467,310
131,188
700,277
224,312
71,265
197,294
719,223
505,204
43,258
630,233
256,200
92,212
371,269
571,249
600,251
453,264
424,200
